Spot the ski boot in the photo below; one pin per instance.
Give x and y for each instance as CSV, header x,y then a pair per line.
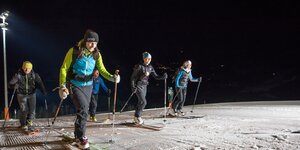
x,y
181,112
138,120
83,143
93,118
173,113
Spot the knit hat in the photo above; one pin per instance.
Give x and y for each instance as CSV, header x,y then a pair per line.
x,y
91,36
27,64
146,55
188,62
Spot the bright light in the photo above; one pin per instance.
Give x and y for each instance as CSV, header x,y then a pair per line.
x,y
4,15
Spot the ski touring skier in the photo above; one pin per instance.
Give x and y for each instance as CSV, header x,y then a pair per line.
x,y
139,82
170,98
25,82
76,79
181,83
97,84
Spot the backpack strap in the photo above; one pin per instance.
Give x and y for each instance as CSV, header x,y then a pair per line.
x,y
33,75
19,76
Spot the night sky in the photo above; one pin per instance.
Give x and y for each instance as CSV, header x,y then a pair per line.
x,y
243,50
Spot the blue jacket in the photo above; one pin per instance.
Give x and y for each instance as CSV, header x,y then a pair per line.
x,y
97,83
183,77
84,66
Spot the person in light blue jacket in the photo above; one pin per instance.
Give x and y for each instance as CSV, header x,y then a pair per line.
x,y
181,82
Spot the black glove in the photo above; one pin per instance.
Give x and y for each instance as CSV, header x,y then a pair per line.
x,y
108,92
45,93
16,86
133,89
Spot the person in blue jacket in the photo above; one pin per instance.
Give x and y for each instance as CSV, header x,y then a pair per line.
x,y
97,84
181,82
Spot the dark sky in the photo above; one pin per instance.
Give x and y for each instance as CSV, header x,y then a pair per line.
x,y
243,50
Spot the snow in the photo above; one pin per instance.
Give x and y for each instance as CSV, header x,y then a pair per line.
x,y
248,125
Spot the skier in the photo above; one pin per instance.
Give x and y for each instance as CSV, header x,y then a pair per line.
x,y
24,81
139,83
97,84
76,76
181,82
170,96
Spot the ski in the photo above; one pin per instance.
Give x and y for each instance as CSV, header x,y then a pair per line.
x,y
186,117
145,126
71,140
32,131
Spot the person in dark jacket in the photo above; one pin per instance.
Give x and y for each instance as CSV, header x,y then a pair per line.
x,y
139,83
181,82
24,81
97,84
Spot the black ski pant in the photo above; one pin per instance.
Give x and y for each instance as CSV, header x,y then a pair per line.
x,y
81,96
142,102
179,101
93,104
27,105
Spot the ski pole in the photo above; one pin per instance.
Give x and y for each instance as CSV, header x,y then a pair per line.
x,y
57,111
108,104
129,98
165,100
55,116
46,107
12,97
114,110
195,97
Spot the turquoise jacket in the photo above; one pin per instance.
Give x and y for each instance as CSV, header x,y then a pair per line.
x,y
82,66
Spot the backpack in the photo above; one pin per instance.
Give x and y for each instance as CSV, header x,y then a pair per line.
x,y
175,74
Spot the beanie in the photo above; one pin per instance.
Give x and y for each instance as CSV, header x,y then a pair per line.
x,y
91,36
188,62
27,64
146,55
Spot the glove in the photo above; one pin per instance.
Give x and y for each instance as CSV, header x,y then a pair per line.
x,y
180,87
116,78
165,76
133,89
16,86
200,79
108,92
45,93
63,92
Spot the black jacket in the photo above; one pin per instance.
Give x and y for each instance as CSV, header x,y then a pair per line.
x,y
141,73
26,84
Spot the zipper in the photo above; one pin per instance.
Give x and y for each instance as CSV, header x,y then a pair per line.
x,y
26,85
86,65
